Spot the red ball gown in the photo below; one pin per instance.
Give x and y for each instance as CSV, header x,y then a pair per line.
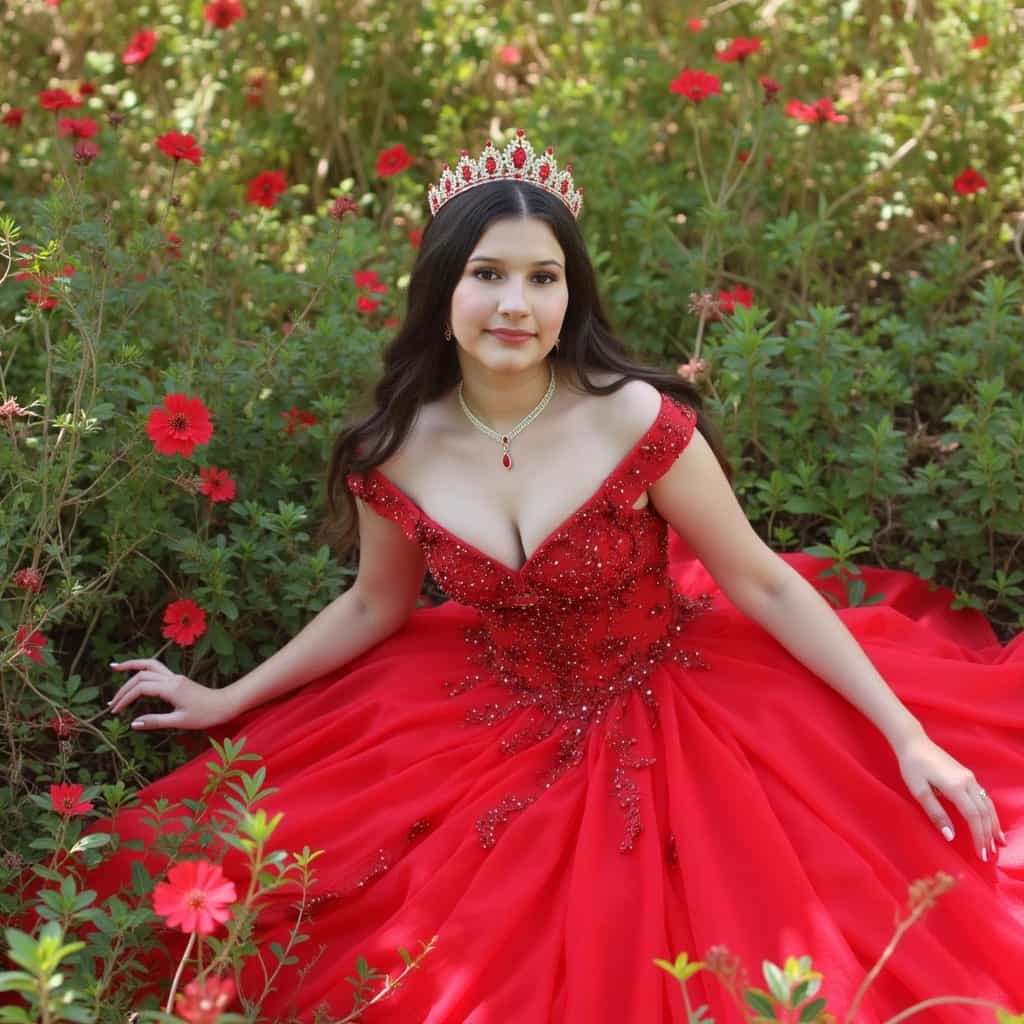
x,y
571,769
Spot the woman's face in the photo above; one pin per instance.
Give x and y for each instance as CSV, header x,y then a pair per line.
x,y
515,279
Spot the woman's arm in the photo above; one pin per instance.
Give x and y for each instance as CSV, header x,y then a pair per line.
x,y
696,499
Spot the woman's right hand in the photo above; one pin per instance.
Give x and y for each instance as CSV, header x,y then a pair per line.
x,y
195,706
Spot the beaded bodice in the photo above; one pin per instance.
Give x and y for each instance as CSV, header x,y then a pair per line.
x,y
576,631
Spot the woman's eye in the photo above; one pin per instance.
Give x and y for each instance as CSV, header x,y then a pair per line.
x,y
487,270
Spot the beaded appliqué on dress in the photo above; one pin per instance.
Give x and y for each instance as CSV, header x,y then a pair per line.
x,y
570,636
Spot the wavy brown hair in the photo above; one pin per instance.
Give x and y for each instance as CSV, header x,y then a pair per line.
x,y
420,365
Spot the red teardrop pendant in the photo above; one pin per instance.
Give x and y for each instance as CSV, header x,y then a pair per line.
x,y
506,460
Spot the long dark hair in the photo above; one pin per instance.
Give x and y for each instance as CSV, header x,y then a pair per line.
x,y
420,365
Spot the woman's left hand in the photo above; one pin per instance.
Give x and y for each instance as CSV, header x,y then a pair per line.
x,y
927,768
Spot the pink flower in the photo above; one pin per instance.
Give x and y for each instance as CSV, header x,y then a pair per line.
x,y
693,369
66,799
195,896
510,55
696,24
9,408
29,578
204,1001
342,206
85,153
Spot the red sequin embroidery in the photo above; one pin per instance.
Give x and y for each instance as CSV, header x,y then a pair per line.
x,y
567,639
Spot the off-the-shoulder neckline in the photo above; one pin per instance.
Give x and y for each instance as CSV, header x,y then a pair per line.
x,y
402,497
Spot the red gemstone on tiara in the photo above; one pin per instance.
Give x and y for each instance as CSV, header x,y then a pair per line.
x,y
491,165
519,157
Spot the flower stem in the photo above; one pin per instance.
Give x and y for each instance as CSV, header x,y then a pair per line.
x,y
177,973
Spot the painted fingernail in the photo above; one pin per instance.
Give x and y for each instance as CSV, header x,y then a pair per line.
x,y
984,854
1002,835
137,724
948,833
992,843
114,664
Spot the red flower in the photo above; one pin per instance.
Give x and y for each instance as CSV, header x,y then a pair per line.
x,y
180,425
391,161
820,111
202,1002
30,642
979,42
28,579
743,156
217,484
366,304
266,187
195,896
770,86
79,127
369,279
14,117
86,152
63,724
223,13
415,236
695,24
67,799
969,182
173,245
184,622
42,298
57,99
342,206
510,55
179,146
696,85
86,89
739,49
254,90
737,294
298,419
140,47
392,321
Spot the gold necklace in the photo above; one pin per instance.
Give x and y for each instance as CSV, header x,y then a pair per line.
x,y
505,439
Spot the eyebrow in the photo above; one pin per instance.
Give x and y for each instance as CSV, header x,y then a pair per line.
x,y
492,259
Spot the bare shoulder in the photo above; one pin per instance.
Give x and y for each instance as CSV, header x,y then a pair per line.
x,y
632,410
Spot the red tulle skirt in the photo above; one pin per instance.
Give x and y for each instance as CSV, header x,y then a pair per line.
x,y
776,824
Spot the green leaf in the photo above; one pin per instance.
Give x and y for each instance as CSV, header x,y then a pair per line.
x,y
760,1002
777,982
811,1010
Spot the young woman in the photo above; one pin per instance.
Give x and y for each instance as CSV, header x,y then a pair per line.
x,y
580,762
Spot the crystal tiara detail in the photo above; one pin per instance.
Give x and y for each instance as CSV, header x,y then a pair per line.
x,y
517,163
